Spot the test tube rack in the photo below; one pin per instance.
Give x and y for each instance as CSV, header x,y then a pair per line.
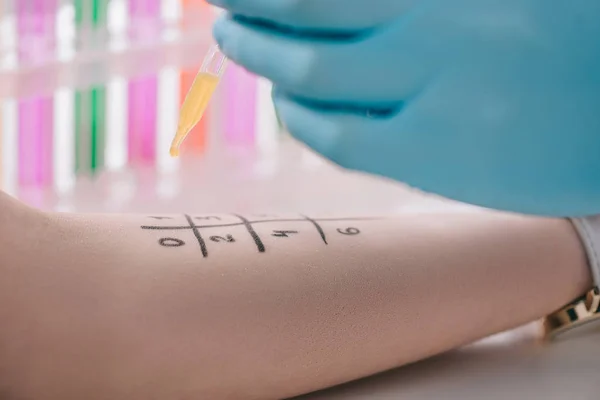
x,y
94,85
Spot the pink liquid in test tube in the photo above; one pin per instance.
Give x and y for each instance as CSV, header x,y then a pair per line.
x,y
142,102
35,25
240,106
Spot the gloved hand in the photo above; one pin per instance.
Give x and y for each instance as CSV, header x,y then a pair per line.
x,y
490,102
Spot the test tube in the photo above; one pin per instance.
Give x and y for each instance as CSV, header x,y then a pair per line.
x,y
240,107
9,106
90,104
199,95
2,50
267,124
35,27
142,102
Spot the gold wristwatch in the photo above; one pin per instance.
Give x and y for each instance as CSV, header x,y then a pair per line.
x,y
580,312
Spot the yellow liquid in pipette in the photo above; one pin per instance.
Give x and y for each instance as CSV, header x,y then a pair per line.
x,y
193,107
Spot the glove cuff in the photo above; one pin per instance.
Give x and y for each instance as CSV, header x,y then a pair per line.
x,y
589,232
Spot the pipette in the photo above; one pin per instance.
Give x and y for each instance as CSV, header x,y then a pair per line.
x,y
199,95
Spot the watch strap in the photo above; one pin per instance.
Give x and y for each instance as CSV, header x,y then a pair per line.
x,y
589,231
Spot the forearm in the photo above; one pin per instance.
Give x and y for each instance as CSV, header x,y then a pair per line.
x,y
270,314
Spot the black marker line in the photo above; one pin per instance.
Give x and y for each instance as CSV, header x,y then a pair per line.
x,y
259,244
350,219
158,228
258,222
318,227
198,236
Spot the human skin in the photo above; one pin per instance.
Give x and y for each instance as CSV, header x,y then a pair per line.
x,y
92,307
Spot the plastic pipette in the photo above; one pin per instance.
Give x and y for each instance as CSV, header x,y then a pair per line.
x,y
196,13
199,95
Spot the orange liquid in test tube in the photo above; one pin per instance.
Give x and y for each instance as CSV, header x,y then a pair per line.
x,y
196,141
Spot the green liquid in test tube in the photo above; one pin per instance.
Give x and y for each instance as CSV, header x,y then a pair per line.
x,y
90,103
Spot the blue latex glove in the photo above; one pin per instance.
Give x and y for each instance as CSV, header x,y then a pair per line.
x,y
490,102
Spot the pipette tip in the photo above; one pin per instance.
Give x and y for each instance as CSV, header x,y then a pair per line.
x,y
177,141
174,150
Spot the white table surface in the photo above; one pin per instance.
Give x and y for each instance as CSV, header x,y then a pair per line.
x,y
508,366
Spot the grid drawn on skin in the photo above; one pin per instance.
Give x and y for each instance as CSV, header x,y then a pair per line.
x,y
237,220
